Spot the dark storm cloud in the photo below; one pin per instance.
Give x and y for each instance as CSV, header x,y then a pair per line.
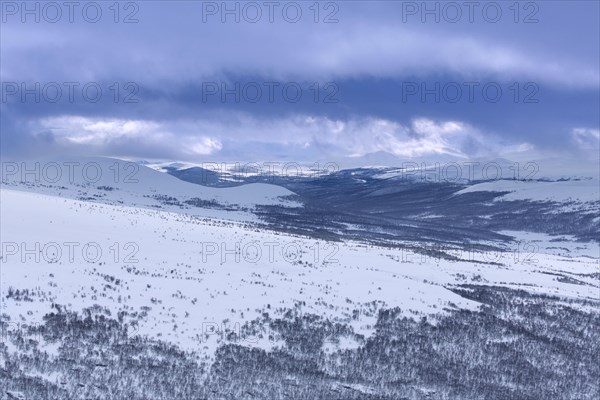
x,y
369,76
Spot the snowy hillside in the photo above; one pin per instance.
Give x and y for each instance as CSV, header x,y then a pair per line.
x,y
581,190
115,181
171,263
164,260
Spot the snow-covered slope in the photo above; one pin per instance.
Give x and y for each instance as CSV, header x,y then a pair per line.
x,y
584,190
188,274
115,181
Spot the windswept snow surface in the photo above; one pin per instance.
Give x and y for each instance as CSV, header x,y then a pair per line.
x,y
120,182
196,277
583,190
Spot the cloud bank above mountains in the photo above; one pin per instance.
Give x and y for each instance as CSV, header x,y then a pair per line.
x,y
393,79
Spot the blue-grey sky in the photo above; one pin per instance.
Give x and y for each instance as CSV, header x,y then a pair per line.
x,y
415,79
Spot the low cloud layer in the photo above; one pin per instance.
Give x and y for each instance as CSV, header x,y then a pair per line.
x,y
242,137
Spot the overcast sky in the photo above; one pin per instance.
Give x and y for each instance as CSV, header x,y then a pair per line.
x,y
302,81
